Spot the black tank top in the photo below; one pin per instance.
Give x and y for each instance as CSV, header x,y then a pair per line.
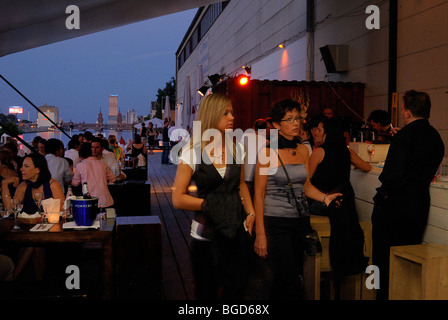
x,y
333,173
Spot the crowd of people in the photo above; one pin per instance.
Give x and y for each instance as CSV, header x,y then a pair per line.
x,y
246,208
47,172
250,212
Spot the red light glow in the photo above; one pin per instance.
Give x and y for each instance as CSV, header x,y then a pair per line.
x,y
243,80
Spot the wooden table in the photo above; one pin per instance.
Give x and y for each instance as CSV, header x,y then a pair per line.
x,y
57,234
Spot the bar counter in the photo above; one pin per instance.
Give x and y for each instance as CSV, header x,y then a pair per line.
x,y
365,185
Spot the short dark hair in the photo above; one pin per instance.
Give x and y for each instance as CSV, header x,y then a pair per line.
x,y
280,108
88,135
104,143
53,145
418,103
73,143
315,120
380,116
85,150
96,139
260,124
11,146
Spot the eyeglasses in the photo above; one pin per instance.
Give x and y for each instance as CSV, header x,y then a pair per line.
x,y
291,120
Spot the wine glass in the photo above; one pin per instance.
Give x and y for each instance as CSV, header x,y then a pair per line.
x,y
371,151
14,203
38,200
102,213
19,208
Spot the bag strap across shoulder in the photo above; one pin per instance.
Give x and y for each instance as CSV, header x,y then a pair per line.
x,y
289,183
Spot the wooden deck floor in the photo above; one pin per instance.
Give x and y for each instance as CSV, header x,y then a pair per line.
x,y
177,276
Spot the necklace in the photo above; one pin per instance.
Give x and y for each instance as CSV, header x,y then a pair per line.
x,y
219,156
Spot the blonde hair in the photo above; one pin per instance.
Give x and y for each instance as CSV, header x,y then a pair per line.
x,y
113,140
211,110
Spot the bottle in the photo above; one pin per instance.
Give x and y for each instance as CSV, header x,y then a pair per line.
x,y
68,208
85,191
69,192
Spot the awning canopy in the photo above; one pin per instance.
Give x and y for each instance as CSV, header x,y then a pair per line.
x,y
27,24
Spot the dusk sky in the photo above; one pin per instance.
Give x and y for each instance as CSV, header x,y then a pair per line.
x,y
78,75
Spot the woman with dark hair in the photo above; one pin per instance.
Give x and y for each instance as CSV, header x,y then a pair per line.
x,y
282,216
37,179
316,130
330,172
137,148
329,162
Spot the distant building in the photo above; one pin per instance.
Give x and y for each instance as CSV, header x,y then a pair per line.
x,y
51,112
131,116
153,108
119,119
100,119
113,108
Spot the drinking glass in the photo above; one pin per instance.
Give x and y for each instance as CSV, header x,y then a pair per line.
x,y
102,212
14,209
19,206
38,196
371,151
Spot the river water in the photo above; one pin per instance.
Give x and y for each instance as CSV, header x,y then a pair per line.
x,y
28,137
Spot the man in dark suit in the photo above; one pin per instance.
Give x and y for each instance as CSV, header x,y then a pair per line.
x,y
402,202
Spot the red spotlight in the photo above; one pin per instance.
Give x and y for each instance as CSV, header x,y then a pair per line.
x,y
242,80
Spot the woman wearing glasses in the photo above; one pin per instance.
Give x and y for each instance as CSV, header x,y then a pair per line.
x,y
280,227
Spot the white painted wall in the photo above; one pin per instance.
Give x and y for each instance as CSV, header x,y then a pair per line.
x,y
248,32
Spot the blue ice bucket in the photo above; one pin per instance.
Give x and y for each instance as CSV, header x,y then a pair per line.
x,y
84,210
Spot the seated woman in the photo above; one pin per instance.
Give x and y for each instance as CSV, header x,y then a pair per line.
x,y
37,179
7,171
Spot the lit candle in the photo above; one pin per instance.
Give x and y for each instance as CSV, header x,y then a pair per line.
x,y
53,217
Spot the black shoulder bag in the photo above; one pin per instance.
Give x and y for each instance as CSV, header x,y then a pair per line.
x,y
312,242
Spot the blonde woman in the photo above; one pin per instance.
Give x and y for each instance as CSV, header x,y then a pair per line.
x,y
224,211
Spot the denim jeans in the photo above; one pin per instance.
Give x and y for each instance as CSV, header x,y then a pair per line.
x,y
165,152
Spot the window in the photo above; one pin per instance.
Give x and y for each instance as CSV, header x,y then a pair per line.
x,y
211,14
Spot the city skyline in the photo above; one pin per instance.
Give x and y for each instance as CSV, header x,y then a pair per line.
x,y
78,75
